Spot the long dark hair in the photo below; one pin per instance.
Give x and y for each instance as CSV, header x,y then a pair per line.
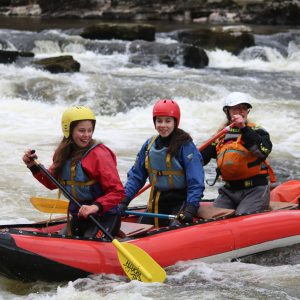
x,y
178,138
67,149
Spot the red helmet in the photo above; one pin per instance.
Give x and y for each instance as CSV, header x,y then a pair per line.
x,y
167,108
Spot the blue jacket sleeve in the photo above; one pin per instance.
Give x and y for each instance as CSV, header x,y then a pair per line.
x,y
137,175
191,160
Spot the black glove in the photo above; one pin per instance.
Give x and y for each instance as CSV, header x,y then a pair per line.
x,y
123,205
186,216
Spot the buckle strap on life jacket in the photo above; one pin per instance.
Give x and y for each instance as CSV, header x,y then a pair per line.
x,y
73,174
248,183
77,183
255,163
147,159
271,172
169,172
169,167
73,183
269,169
153,203
149,169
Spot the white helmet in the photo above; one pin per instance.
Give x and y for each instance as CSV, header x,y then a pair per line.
x,y
236,98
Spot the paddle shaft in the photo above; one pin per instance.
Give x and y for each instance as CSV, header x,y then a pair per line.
x,y
202,147
138,264
151,215
70,197
216,136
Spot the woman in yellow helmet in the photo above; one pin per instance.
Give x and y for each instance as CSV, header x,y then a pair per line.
x,y
87,169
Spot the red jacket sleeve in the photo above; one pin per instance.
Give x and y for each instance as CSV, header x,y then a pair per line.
x,y
43,179
101,164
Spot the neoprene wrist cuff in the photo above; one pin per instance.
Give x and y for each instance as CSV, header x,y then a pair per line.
x,y
99,206
191,209
126,201
34,169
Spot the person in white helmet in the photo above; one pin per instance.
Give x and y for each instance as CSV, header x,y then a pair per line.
x,y
87,170
241,159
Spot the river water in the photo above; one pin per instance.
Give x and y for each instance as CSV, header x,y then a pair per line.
x,y
122,95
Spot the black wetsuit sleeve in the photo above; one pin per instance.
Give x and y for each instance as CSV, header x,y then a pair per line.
x,y
208,153
257,141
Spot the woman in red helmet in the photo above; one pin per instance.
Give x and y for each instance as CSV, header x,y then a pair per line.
x,y
87,170
174,167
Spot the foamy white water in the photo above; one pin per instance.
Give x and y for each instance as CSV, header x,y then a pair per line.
x,y
122,96
276,62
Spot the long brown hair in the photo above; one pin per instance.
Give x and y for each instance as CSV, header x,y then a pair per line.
x,y
67,149
178,138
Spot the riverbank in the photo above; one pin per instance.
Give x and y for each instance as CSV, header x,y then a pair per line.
x,y
43,23
259,12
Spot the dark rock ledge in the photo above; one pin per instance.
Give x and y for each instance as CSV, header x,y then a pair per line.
x,y
262,12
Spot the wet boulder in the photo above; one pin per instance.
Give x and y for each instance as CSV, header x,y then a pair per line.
x,y
146,53
7,57
285,12
194,57
19,2
5,2
26,10
59,64
129,32
230,38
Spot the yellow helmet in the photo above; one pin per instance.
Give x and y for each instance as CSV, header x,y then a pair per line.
x,y
75,113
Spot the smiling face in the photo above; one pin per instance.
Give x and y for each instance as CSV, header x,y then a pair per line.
x,y
240,109
83,133
164,125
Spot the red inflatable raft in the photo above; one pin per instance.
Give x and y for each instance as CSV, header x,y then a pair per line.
x,y
37,252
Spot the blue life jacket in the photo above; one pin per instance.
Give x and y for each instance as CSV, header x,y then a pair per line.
x,y
165,172
78,184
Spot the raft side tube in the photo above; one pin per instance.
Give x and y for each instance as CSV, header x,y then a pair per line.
x,y
20,264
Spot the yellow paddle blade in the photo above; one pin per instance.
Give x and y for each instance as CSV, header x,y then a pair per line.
x,y
137,264
48,205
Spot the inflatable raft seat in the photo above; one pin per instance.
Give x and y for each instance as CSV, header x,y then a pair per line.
x,y
210,212
129,229
276,205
